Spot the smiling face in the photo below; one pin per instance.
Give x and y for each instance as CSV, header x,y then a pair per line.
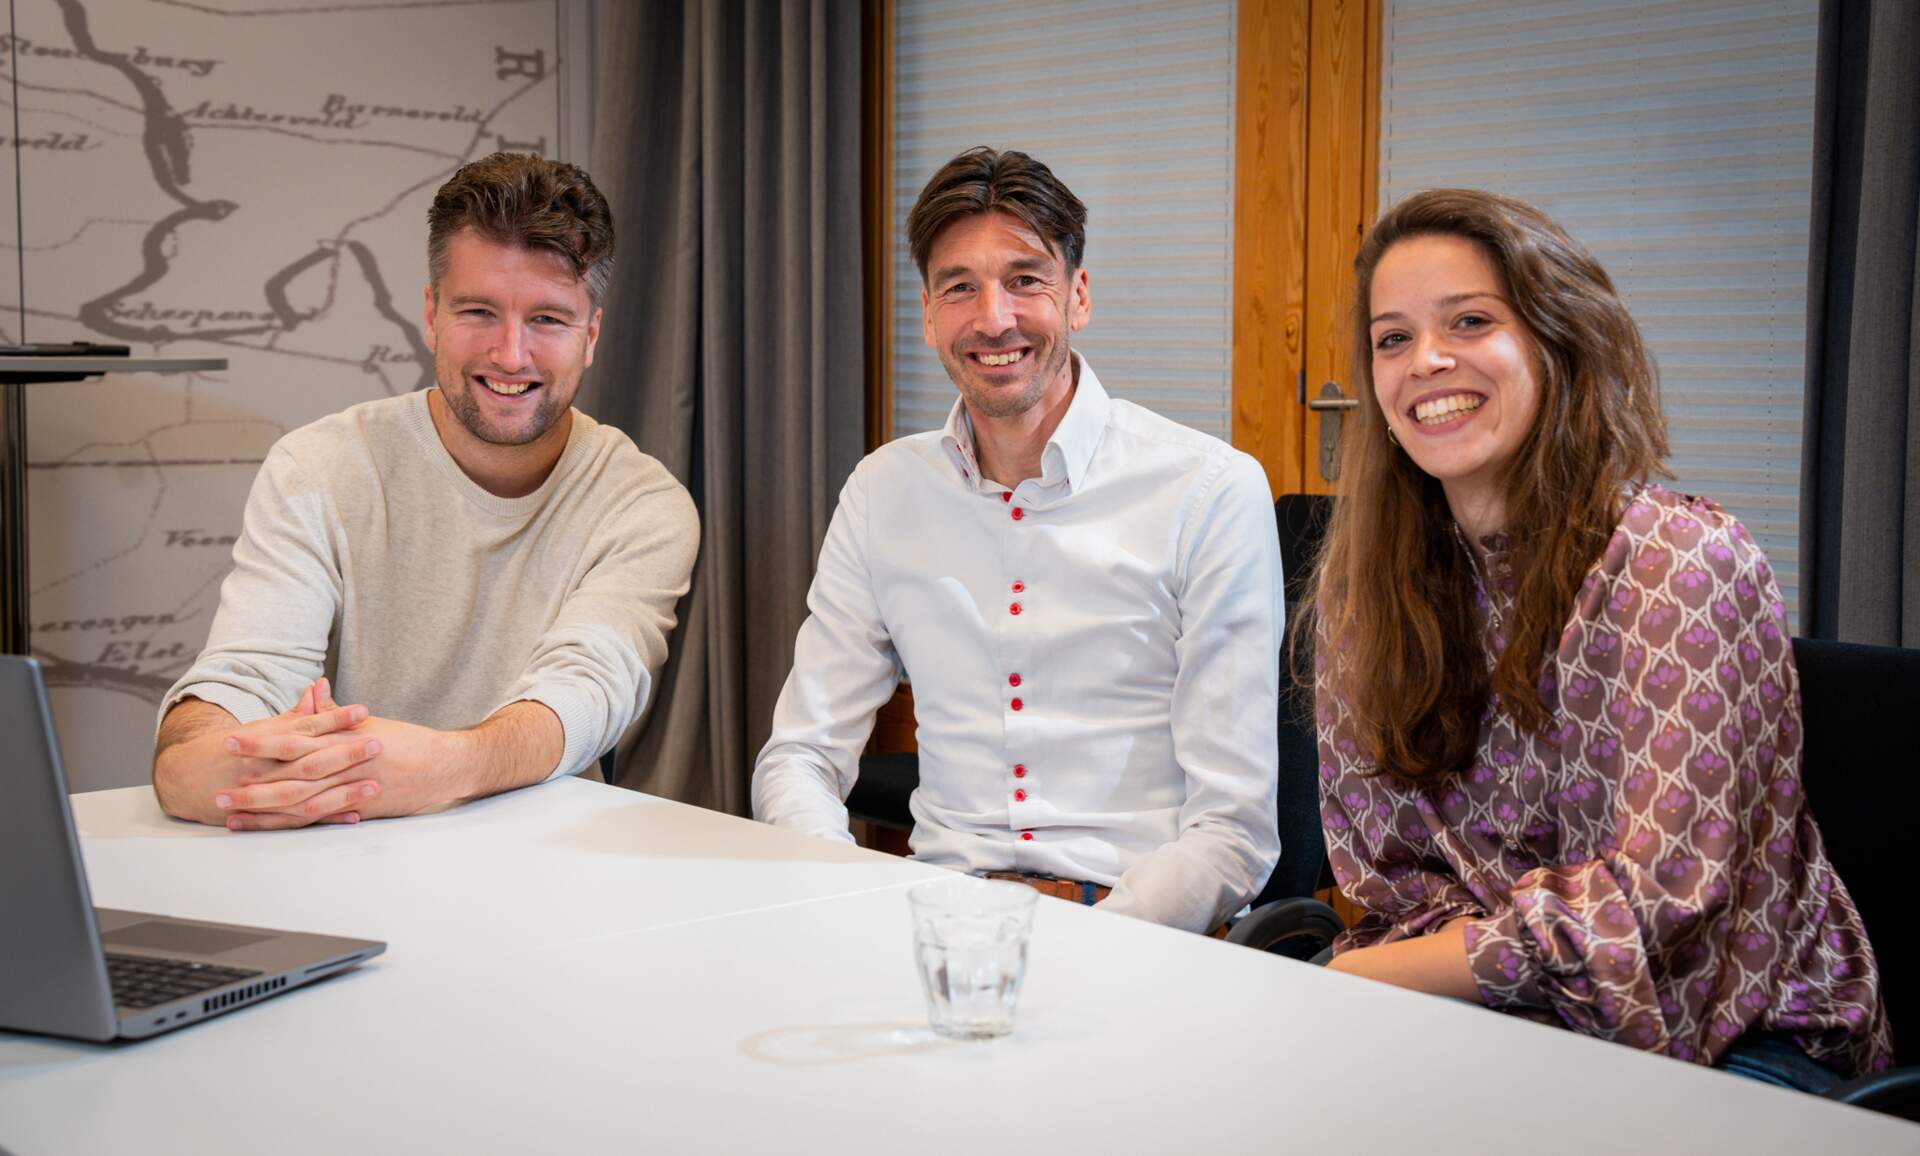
x,y
512,330
998,306
1454,369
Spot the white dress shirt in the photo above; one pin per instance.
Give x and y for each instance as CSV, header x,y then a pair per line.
x,y
1094,656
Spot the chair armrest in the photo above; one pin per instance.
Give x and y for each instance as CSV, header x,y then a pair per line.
x,y
1298,928
1896,1092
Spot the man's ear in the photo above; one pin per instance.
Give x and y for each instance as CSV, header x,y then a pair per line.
x,y
926,318
1079,301
593,337
427,317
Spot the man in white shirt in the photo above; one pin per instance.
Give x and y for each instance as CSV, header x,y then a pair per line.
x,y
1086,596
486,574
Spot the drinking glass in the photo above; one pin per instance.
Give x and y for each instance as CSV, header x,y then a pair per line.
x,y
970,940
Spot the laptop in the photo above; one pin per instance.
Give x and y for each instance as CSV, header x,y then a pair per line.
x,y
68,968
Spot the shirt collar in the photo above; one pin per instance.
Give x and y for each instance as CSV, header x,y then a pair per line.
x,y
957,437
1069,451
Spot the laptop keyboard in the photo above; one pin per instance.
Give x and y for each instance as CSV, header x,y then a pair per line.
x,y
140,981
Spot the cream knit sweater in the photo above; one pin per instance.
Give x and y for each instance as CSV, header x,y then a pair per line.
x,y
367,554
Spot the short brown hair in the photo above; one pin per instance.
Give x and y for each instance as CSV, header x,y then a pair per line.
x,y
983,180
529,202
1394,585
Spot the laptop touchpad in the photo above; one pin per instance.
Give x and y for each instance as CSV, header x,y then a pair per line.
x,y
160,935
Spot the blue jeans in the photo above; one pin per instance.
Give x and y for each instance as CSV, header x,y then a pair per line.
x,y
1773,1058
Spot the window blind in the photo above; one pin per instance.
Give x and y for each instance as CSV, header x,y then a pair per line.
x,y
1131,104
1675,140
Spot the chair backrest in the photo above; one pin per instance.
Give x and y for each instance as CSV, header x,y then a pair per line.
x,y
884,791
1859,763
1301,520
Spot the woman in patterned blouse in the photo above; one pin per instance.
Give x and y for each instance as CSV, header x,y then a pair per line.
x,y
1558,717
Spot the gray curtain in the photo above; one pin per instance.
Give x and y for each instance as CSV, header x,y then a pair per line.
x,y
1860,485
727,136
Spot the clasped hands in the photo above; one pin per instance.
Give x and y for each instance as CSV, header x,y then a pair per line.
x,y
317,763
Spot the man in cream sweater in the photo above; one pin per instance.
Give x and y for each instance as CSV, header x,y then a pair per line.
x,y
486,574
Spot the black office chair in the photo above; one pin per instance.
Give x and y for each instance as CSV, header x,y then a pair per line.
x,y
1286,919
886,783
1857,763
1302,522
1302,870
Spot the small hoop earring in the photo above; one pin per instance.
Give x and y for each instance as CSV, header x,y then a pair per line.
x,y
1390,437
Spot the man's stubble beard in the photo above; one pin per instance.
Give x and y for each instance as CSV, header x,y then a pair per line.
x,y
466,410
994,404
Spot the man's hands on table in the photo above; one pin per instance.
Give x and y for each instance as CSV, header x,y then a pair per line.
x,y
313,764
407,770
324,763
302,765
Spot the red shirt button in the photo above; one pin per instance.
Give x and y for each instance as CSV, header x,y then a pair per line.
x,y
1013,680
1016,704
1014,609
1019,587
1018,513
1019,796
1019,770
1006,495
1027,835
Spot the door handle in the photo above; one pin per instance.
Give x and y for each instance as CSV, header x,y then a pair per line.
x,y
1330,405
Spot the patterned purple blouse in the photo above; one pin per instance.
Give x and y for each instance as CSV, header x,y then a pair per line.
x,y
1646,870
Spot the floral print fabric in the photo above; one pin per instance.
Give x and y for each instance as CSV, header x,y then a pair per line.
x,y
1646,870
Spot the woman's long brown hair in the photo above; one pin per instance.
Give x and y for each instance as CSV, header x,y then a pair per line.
x,y
1392,600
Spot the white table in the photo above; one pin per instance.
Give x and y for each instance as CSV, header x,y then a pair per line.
x,y
544,867
575,968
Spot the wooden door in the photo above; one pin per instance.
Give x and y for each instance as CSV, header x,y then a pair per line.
x,y
1306,160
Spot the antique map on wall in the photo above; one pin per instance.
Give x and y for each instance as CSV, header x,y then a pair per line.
x,y
245,179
